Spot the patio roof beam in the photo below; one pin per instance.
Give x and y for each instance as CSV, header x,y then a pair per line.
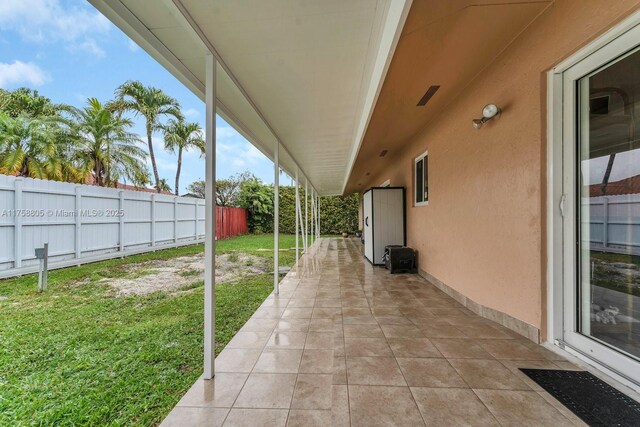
x,y
210,220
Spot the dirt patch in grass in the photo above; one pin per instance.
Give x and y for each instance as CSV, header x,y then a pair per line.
x,y
183,273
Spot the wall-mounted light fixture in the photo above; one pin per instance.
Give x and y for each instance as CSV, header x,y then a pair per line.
x,y
489,112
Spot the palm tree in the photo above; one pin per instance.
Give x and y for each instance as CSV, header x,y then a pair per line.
x,y
179,136
106,149
164,186
35,147
150,103
24,101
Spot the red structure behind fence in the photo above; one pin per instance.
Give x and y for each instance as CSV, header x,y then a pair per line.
x,y
230,222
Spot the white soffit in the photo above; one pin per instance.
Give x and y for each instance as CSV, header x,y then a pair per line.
x,y
305,72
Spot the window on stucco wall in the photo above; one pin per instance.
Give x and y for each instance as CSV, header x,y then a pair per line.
x,y
421,180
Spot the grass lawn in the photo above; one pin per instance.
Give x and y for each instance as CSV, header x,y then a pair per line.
x,y
607,275
77,355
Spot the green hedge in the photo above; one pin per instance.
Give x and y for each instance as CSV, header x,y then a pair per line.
x,y
337,214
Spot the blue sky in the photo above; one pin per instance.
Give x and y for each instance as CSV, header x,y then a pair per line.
x,y
68,51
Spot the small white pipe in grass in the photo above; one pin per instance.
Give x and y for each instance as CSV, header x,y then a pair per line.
x,y
210,221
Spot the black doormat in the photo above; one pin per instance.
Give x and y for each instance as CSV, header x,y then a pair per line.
x,y
587,396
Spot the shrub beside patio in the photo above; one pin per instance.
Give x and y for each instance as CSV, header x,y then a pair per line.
x,y
82,354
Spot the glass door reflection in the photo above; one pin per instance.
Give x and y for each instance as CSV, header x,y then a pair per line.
x,y
609,211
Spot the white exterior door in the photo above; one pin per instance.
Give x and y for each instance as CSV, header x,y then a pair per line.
x,y
388,221
597,291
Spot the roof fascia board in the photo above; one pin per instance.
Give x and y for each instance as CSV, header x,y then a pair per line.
x,y
396,17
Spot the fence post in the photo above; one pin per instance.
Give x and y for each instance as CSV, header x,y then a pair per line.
x,y
153,220
605,223
17,223
78,222
175,219
195,234
121,229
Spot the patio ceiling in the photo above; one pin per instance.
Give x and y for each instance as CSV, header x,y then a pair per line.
x,y
305,73
445,43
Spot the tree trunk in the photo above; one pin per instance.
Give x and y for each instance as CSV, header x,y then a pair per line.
x,y
178,170
153,157
98,173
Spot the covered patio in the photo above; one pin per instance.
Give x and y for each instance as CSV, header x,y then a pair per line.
x,y
349,95
346,343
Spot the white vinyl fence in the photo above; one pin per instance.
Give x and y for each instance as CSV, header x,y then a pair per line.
x,y
85,223
615,223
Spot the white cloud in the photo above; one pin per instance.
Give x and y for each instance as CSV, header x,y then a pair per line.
x,y
90,46
224,147
242,155
164,164
133,47
192,112
42,21
21,73
225,132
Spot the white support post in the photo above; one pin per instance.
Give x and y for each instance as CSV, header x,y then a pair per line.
x,y
318,215
78,236
297,217
313,214
311,217
276,219
121,229
306,215
17,223
210,220
319,204
153,220
303,227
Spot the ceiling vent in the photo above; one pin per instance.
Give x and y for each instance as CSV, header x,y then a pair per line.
x,y
383,153
427,95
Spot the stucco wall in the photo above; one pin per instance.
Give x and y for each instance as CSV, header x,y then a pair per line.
x,y
483,232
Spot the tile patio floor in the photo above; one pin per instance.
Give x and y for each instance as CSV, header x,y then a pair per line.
x,y
346,343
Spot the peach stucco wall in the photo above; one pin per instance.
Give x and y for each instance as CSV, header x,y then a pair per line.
x,y
483,232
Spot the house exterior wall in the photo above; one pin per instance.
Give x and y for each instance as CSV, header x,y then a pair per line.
x,y
483,232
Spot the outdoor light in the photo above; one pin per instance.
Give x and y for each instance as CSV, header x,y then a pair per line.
x,y
488,112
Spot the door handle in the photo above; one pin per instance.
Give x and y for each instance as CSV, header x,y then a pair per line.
x,y
366,221
562,200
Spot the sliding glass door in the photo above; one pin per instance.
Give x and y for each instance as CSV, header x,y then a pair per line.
x,y
601,139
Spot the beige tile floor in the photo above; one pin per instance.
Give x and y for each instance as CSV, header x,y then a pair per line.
x,y
346,343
